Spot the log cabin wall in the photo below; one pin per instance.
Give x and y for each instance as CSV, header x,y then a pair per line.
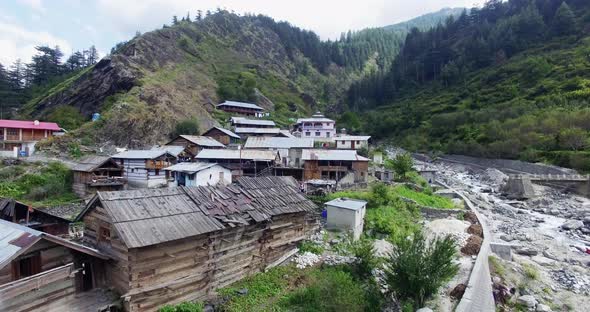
x,y
96,223
193,268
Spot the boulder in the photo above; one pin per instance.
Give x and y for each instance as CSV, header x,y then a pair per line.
x,y
458,291
572,225
528,301
424,310
543,308
527,251
472,246
471,217
475,229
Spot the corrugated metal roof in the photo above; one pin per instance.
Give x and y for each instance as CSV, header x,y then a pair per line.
x,y
287,134
141,154
241,104
228,132
278,142
258,130
249,154
253,122
151,216
325,154
314,119
353,138
201,140
14,239
190,167
90,163
29,124
347,203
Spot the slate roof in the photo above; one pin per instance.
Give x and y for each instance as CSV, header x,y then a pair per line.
x,y
258,130
228,132
325,154
90,163
241,105
200,141
278,142
347,203
151,216
245,154
253,122
141,154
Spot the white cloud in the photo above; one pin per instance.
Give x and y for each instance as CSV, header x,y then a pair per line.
x,y
326,17
36,5
17,42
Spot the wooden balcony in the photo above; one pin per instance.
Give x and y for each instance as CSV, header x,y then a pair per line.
x,y
156,164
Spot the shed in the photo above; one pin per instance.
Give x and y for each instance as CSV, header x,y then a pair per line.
x,y
193,144
199,174
143,168
347,214
223,136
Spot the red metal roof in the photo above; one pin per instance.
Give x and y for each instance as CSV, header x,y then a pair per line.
x,y
28,124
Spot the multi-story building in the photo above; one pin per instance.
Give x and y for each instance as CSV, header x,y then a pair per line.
x,y
318,127
18,137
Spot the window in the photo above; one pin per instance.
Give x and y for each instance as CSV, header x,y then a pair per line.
x,y
210,176
221,177
27,266
358,142
104,234
307,133
317,133
327,134
343,142
11,131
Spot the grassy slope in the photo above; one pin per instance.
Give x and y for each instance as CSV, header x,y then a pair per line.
x,y
513,110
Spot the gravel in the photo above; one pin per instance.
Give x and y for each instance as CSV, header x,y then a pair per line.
x,y
306,259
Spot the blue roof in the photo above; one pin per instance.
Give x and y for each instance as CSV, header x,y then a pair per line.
x,y
241,104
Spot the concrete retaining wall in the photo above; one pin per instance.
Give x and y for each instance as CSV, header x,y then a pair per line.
x,y
479,293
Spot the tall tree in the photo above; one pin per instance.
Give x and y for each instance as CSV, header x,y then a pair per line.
x,y
564,21
174,20
16,75
92,56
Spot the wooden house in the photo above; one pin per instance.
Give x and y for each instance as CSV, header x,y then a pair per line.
x,y
198,174
42,272
352,141
97,173
144,168
290,149
193,144
176,244
223,136
241,161
39,219
334,165
247,109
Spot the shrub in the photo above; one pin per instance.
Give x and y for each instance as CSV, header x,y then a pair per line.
x,y
364,251
398,221
417,268
307,246
530,271
188,127
67,117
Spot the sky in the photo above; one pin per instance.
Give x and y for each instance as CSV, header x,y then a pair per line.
x,y
77,24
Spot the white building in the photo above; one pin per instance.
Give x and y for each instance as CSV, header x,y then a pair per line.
x,y
198,174
346,214
144,168
290,149
318,127
352,142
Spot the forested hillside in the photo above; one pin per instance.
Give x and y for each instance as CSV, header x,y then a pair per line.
x,y
508,80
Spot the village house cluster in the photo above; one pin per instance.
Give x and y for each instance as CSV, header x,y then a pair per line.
x,y
176,221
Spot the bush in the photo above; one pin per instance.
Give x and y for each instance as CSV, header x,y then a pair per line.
x,y
187,127
398,220
417,268
364,251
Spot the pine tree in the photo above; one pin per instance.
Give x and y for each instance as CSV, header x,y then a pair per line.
x,y
16,75
92,57
199,15
174,20
188,17
564,21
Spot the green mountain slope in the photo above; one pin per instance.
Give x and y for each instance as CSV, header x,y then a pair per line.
x,y
510,80
426,21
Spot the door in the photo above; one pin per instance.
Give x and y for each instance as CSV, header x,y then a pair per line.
x,y
87,281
